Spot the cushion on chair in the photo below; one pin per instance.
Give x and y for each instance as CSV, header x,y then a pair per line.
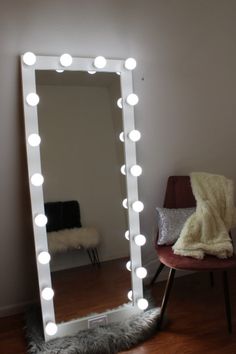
x,y
62,215
171,260
53,211
171,222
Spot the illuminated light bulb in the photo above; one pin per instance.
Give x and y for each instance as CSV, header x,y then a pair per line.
x,y
118,73
34,140
119,103
142,304
130,295
136,170
60,71
41,220
51,328
92,72
66,59
44,257
141,272
128,265
47,294
123,170
125,203
100,62
127,235
122,137
140,240
134,135
130,64
132,99
37,179
29,58
137,206
32,99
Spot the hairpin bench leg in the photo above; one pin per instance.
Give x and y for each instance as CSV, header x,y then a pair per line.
x,y
90,256
97,256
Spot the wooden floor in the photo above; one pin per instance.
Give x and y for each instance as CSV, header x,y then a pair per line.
x,y
90,289
196,321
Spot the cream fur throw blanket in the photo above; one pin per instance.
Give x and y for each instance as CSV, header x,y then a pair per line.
x,y
207,230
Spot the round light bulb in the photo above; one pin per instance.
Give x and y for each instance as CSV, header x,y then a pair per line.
x,y
125,203
34,140
141,272
66,59
29,58
140,240
47,293
32,99
134,135
137,206
136,170
37,179
60,71
118,73
127,235
132,99
99,62
123,170
142,304
122,137
130,295
51,328
130,64
91,72
44,257
128,266
119,103
41,220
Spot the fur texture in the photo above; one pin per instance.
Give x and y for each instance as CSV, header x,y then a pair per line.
x,y
109,339
63,240
207,230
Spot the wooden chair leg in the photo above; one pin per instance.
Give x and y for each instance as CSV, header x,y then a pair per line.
x,y
212,279
227,301
159,269
166,296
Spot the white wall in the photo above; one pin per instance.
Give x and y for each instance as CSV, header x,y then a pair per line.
x,y
80,162
185,79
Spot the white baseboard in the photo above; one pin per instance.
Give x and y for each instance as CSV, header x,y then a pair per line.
x,y
15,308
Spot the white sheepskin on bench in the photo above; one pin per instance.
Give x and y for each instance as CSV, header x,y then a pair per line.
x,y
63,240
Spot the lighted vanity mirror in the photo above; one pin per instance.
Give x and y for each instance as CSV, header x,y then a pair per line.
x,y
80,138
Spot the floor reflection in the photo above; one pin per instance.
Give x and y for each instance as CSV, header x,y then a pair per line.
x,y
88,289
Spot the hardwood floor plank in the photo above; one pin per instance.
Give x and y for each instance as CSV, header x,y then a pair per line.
x,y
195,324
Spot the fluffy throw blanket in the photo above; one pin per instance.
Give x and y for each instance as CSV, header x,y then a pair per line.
x,y
207,230
76,238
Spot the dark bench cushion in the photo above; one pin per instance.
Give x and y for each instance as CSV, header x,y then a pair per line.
x,y
62,215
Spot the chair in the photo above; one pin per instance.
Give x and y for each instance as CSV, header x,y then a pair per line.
x,y
179,195
64,218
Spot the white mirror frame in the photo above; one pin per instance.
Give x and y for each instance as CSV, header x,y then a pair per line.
x,y
36,192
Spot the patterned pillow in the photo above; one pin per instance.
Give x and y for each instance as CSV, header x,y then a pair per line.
x,y
170,223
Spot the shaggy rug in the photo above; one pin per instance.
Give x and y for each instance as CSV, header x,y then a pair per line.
x,y
109,339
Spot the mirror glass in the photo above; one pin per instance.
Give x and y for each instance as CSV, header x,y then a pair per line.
x,y
79,124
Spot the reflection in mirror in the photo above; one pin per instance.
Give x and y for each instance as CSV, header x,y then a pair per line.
x,y
81,156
